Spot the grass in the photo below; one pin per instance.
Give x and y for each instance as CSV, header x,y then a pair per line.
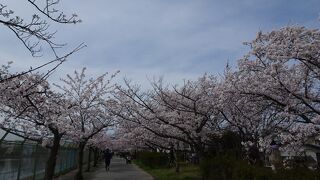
x,y
187,172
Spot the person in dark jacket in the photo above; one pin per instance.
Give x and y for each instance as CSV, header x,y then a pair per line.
x,y
107,158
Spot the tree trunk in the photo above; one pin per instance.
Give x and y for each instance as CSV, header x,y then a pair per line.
x,y
177,157
255,156
51,162
176,160
89,160
79,175
96,157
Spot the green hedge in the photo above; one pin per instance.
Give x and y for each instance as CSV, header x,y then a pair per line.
x,y
153,159
226,167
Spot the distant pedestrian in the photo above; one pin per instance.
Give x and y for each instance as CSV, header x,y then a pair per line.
x,y
128,158
107,158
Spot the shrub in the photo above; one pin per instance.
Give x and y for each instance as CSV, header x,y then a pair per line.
x,y
153,159
226,167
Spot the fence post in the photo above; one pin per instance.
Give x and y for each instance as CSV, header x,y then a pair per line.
x,y
61,154
20,162
35,162
69,158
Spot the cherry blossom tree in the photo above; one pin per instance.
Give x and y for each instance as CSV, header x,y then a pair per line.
x,y
130,136
273,95
31,110
183,114
281,72
253,118
89,113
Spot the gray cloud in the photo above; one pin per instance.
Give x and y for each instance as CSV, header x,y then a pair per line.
x,y
179,39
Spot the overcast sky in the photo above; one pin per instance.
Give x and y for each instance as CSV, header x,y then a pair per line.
x,y
177,39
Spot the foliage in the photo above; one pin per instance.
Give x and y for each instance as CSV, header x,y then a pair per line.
x,y
225,160
153,159
227,167
228,143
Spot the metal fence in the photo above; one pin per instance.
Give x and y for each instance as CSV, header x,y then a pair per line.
x,y
26,160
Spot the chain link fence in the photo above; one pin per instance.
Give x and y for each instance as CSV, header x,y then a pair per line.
x,y
21,159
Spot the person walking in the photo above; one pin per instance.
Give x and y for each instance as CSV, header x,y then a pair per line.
x,y
107,158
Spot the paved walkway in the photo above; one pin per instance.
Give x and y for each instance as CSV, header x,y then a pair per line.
x,y
119,170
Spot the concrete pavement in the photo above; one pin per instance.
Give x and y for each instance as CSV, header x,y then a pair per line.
x,y
119,170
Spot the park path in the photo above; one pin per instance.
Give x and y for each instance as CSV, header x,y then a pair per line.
x,y
119,170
